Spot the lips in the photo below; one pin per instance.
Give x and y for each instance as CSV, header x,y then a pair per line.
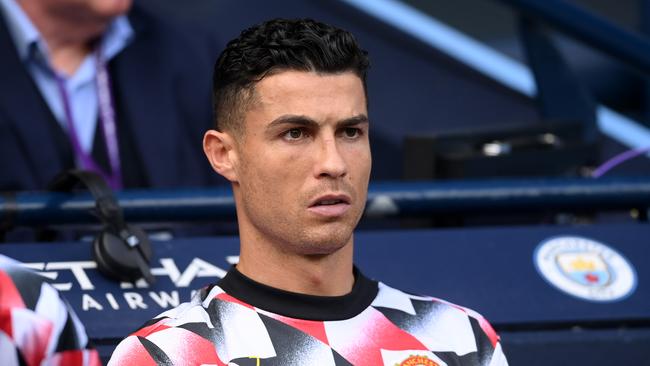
x,y
330,205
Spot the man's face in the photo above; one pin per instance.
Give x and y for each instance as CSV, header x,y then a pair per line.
x,y
303,162
87,11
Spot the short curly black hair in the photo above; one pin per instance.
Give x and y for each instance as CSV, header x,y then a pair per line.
x,y
273,46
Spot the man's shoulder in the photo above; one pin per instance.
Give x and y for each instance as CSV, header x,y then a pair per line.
x,y
439,324
179,331
39,325
393,298
22,286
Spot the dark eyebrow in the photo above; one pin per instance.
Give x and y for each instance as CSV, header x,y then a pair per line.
x,y
291,119
352,121
305,121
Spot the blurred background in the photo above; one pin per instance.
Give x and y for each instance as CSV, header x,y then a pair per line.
x,y
419,89
495,126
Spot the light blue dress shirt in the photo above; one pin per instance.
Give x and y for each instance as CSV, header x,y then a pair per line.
x,y
80,87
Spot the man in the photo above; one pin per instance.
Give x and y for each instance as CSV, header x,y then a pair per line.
x,y
292,138
38,327
104,86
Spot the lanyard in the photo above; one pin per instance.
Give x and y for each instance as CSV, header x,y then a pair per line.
x,y
107,124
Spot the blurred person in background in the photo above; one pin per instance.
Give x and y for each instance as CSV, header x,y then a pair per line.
x,y
103,85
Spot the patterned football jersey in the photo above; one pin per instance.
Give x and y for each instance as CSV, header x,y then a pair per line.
x,y
241,322
38,327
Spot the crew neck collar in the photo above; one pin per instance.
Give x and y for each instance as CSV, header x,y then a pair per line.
x,y
301,306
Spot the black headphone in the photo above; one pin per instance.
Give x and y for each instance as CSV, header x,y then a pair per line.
x,y
122,251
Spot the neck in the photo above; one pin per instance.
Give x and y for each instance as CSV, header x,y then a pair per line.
x,y
322,275
68,41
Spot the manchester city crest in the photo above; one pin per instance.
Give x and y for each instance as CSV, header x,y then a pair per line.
x,y
585,268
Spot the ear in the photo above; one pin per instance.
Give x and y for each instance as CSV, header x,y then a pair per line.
x,y
219,148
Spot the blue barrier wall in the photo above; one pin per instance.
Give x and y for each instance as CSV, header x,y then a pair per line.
x,y
489,270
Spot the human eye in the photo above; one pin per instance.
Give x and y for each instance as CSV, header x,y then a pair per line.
x,y
352,132
294,134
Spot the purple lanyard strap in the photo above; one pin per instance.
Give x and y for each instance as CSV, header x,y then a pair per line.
x,y
107,124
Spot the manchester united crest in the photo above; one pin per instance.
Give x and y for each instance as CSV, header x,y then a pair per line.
x,y
410,358
417,361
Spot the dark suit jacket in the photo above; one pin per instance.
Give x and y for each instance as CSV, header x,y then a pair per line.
x,y
161,84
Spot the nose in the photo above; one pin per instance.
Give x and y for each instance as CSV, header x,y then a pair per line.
x,y
330,161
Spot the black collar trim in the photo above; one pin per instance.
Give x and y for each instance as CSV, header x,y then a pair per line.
x,y
301,306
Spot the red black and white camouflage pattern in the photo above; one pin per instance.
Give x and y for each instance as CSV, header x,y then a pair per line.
x,y
396,329
37,326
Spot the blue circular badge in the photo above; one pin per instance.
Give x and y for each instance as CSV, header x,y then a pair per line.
x,y
585,268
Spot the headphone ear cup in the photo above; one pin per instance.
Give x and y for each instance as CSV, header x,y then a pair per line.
x,y
117,259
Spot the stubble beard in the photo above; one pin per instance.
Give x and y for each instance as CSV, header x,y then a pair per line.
x,y
287,227
293,232
293,237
